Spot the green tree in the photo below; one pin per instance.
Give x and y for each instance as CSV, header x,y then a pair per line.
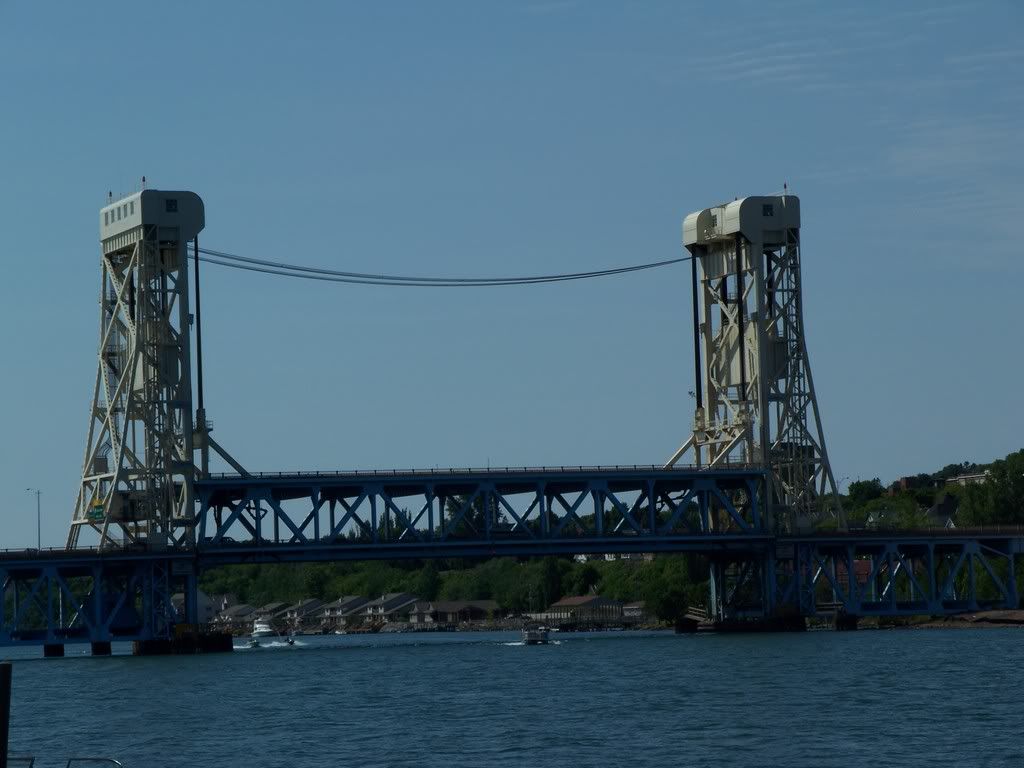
x,y
550,581
314,580
998,500
860,492
582,578
428,581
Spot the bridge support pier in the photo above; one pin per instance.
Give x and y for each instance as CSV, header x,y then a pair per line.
x,y
845,622
100,647
184,643
53,650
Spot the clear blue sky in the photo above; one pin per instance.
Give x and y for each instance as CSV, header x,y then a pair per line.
x,y
494,138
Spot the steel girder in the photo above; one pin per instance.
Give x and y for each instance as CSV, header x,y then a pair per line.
x,y
877,575
93,597
477,512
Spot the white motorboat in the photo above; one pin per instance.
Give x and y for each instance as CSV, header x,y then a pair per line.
x,y
262,628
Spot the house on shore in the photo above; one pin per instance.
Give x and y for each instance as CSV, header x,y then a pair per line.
x,y
635,613
237,618
206,609
272,610
452,612
585,609
342,614
301,612
392,607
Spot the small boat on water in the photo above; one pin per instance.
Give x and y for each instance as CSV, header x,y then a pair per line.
x,y
535,636
253,643
262,628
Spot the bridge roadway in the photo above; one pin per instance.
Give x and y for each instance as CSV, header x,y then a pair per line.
x,y
55,597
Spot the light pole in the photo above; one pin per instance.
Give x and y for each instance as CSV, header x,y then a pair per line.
x,y
39,517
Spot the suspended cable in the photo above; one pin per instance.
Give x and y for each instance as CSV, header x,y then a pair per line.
x,y
234,261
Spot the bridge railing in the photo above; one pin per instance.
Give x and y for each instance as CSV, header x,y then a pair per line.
x,y
476,471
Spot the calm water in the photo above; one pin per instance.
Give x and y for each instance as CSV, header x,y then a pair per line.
x,y
929,698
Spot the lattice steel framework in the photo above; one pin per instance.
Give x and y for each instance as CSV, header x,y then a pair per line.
x,y
848,576
55,599
900,574
478,513
755,400
138,470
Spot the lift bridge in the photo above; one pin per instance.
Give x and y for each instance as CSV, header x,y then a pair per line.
x,y
755,495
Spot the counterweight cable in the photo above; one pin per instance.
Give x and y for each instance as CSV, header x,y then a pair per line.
x,y
282,269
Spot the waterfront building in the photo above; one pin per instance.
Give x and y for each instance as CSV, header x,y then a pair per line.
x,y
206,610
342,614
635,613
237,618
273,611
298,614
585,609
392,607
452,612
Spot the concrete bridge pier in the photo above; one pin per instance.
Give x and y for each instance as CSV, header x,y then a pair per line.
x,y
845,622
100,647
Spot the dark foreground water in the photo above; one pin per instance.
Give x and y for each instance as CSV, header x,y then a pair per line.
x,y
911,698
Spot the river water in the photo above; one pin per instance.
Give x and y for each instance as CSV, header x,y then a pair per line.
x,y
482,700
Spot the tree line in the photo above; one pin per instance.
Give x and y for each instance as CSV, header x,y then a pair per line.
x,y
998,500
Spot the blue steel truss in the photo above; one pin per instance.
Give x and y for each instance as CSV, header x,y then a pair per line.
x,y
64,596
418,514
60,596
933,573
892,574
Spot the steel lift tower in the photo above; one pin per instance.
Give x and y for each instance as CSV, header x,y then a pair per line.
x,y
755,400
137,478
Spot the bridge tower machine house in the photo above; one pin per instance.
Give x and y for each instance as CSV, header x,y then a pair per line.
x,y
139,469
755,401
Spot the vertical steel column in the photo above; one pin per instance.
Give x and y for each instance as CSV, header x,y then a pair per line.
x,y
1011,585
317,505
373,516
972,585
199,331
741,306
697,373
191,598
652,503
